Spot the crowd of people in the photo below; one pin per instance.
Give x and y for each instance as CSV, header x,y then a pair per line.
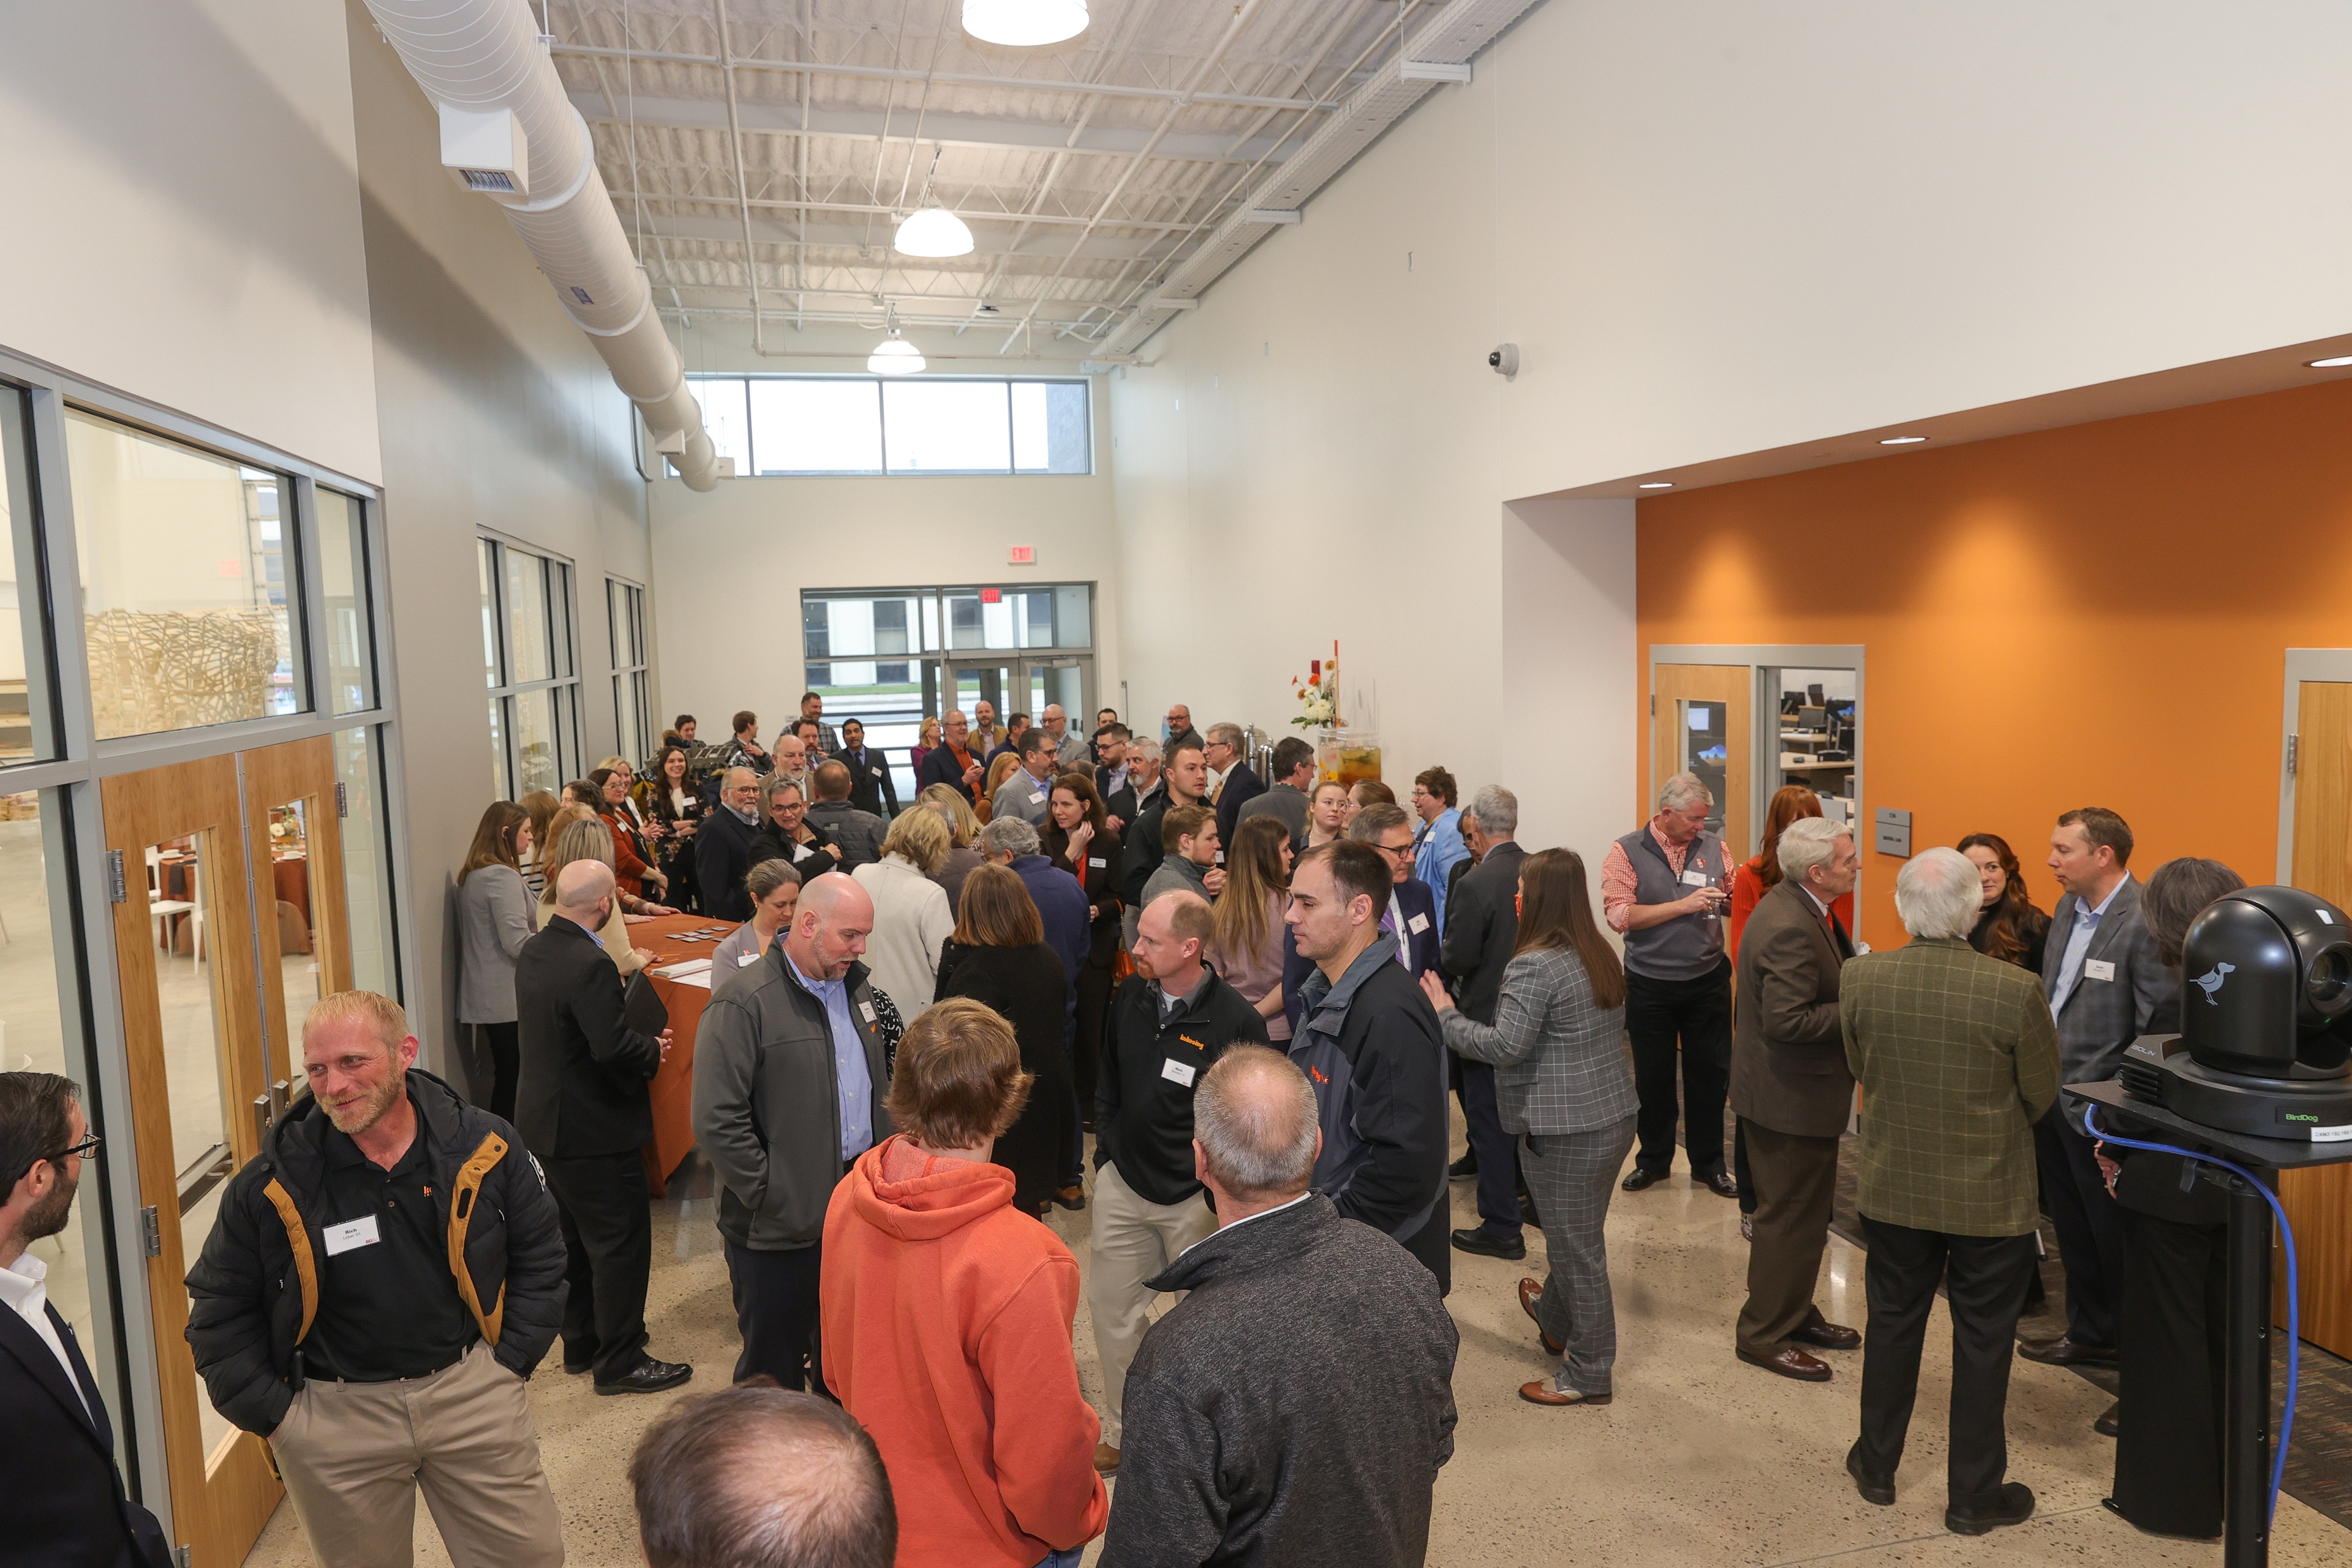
x,y
1255,996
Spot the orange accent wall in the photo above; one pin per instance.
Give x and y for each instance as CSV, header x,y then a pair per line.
x,y
2097,614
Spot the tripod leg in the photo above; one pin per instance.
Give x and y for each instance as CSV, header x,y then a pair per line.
x,y
2246,1416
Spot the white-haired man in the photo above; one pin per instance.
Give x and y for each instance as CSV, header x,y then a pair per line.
x,y
1258,1429
1957,1057
1664,886
1792,1094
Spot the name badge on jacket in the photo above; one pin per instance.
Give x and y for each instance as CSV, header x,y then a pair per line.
x,y
1418,924
1696,876
1178,1072
360,1232
2098,969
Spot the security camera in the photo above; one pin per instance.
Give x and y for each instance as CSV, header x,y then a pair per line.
x,y
1504,360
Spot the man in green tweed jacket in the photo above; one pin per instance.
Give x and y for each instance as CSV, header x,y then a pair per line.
x,y
1957,1058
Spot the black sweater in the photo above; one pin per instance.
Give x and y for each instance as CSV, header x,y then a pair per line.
x,y
1143,1115
1029,987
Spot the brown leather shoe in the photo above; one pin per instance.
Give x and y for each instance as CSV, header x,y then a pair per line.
x,y
1830,1336
1528,1290
1105,1459
1541,1391
2065,1350
1791,1361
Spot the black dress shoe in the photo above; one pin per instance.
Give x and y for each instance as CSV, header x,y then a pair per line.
x,y
1872,1487
2013,1504
648,1377
2110,1421
1462,1170
1721,1185
1830,1336
2067,1351
1638,1178
1486,1244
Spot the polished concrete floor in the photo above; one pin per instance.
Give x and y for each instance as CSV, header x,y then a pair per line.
x,y
1701,1460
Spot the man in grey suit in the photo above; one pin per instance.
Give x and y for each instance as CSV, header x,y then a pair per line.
x,y
1477,947
1792,1093
2105,983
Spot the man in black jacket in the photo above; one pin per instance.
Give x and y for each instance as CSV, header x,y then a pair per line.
x,y
1482,927
1167,1023
1242,785
1262,1427
871,788
1187,777
66,1503
722,846
581,1105
380,1279
1369,1041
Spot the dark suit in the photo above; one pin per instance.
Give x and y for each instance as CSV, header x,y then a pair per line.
x,y
871,788
722,853
66,1502
939,766
1241,787
1792,1092
581,1105
1415,897
1482,927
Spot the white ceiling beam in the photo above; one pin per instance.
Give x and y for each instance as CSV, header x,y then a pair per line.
x,y
953,129
940,78
1049,247
674,199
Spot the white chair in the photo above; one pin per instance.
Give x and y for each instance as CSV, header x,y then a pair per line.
x,y
166,910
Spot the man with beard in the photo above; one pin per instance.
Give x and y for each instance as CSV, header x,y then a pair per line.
x,y
379,1282
66,1502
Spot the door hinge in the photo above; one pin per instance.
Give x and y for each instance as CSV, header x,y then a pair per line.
x,y
151,1230
117,889
343,800
2292,747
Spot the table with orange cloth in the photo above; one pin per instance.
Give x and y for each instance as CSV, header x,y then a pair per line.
x,y
673,1087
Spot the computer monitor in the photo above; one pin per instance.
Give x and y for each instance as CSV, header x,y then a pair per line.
x,y
1812,718
1814,694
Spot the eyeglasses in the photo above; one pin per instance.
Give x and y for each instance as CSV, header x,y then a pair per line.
x,y
86,1147
1402,851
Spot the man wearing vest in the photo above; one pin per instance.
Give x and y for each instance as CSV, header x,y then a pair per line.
x,y
1664,886
383,1278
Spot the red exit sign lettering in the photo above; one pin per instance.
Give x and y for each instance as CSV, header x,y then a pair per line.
x,y
1024,555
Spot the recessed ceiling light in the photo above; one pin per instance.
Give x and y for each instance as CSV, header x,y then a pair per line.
x,y
2336,362
1655,485
1902,440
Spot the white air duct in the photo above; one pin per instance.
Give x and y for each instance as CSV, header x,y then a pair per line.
x,y
508,131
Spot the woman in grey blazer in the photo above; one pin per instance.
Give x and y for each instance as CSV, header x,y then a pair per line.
x,y
1563,1085
493,922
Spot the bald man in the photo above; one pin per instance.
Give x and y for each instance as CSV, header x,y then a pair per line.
x,y
788,1470
789,1085
581,1105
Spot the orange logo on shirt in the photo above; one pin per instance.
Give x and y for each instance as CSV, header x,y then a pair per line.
x,y
1317,1074
1191,1042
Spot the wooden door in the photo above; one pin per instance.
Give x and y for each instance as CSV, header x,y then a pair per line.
x,y
193,1025
1700,723
293,824
2319,1202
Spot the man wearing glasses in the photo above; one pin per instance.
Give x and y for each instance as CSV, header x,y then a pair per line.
x,y
1412,906
66,1502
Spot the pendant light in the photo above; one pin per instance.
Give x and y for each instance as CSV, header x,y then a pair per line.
x,y
1025,24
893,355
932,231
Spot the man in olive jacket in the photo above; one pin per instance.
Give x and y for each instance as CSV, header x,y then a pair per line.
x,y
790,1085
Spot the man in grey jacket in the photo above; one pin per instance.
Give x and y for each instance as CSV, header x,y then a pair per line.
x,y
1258,1429
858,833
790,1085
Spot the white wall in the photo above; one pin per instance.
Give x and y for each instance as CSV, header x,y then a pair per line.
x,y
184,214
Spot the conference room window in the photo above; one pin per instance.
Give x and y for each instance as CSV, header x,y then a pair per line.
x,y
530,667
774,427
624,604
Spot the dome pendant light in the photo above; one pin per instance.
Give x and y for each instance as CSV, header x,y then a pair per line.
x,y
893,355
932,231
1025,24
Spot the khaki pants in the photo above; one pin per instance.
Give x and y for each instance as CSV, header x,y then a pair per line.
x,y
1134,1238
354,1454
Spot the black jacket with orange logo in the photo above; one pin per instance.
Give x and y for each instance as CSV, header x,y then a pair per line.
x,y
1143,1098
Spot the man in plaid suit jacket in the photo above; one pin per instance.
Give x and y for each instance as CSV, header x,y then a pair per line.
x,y
1958,1060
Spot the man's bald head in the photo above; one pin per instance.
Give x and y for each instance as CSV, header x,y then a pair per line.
x,y
830,927
760,1477
1255,1124
580,887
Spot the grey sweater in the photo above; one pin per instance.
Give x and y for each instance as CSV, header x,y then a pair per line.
x,y
1293,1409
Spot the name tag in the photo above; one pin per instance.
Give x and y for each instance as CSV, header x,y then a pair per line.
x,y
1696,878
1177,1072
1097,860
746,960
875,772
1036,797
866,1011
2098,969
1418,924
1220,857
360,1232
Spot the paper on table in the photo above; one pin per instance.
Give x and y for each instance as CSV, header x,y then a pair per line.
x,y
701,978
686,969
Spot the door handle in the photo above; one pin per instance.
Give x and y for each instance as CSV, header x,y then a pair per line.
x,y
261,1118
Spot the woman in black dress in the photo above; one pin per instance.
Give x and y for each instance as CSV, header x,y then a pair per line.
x,y
2009,927
1078,840
998,957
671,799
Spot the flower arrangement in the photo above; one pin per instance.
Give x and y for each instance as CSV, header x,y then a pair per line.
x,y
1318,694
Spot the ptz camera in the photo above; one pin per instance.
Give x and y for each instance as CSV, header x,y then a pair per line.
x,y
1504,360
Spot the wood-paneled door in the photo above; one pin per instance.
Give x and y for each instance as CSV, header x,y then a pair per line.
x,y
2319,1202
294,823
1700,721
193,1023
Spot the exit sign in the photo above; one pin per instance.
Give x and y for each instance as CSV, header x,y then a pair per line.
x,y
1024,555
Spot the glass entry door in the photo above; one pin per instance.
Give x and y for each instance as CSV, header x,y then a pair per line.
x,y
294,823
1700,725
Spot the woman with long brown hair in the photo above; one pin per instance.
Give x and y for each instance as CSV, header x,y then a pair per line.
x,y
670,797
493,922
542,805
1566,1089
1245,944
1750,882
2008,927
1079,838
963,832
998,956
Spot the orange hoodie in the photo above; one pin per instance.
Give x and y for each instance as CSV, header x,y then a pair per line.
x,y
947,1320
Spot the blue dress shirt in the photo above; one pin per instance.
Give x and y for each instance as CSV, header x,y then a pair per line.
x,y
851,1081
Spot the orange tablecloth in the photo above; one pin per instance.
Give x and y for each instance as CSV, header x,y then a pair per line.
x,y
673,1087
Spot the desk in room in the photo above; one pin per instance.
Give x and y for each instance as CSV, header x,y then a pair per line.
x,y
673,1087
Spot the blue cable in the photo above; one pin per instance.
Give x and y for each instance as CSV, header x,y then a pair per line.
x,y
2294,1302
